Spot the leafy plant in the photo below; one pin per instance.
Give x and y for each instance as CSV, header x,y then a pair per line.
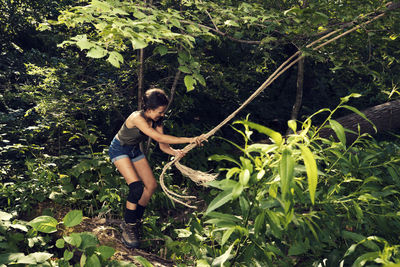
x,y
301,200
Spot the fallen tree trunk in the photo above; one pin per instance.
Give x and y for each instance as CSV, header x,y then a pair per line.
x,y
385,117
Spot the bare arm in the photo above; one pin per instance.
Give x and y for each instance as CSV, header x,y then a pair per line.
x,y
166,148
136,120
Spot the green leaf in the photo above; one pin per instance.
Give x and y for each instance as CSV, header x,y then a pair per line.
x,y
244,205
105,252
138,44
97,52
183,233
83,43
199,78
311,169
162,50
359,113
74,239
244,177
223,216
259,224
45,224
60,243
275,136
93,261
237,191
202,263
184,69
68,255
4,216
363,259
10,257
115,59
232,171
223,157
223,184
143,261
347,98
189,82
227,234
292,125
231,23
297,249
220,200
40,257
224,257
339,130
73,218
286,171
88,240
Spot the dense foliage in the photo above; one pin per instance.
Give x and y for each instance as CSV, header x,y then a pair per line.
x,y
71,71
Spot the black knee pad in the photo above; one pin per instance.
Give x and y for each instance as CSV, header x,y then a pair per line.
x,y
135,191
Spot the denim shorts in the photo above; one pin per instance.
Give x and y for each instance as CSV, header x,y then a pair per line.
x,y
118,151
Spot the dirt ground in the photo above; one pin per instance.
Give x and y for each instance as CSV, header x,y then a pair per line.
x,y
108,233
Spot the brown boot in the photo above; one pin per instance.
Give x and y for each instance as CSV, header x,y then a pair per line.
x,y
130,234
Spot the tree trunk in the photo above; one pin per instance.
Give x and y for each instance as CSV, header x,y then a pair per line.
x,y
386,118
140,78
299,92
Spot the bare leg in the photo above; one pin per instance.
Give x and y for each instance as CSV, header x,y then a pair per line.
x,y
145,173
126,168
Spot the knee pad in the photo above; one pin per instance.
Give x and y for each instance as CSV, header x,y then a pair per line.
x,y
135,191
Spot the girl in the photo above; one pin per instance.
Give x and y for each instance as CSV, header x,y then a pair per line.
x,y
132,164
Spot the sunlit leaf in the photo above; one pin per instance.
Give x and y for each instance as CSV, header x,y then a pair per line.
x,y
189,82
45,224
339,130
115,59
219,261
275,136
311,169
97,52
286,170
73,218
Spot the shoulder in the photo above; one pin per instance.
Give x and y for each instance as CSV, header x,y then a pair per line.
x,y
135,119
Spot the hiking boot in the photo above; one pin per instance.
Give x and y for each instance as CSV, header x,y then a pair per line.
x,y
130,234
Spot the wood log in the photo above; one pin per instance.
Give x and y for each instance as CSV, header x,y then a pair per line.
x,y
385,117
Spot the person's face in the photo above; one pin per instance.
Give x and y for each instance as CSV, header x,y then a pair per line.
x,y
156,114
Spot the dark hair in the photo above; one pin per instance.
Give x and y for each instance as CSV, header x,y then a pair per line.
x,y
154,98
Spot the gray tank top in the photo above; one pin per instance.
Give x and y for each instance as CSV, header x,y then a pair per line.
x,y
133,136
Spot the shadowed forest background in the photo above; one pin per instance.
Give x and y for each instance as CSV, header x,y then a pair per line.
x,y
295,186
